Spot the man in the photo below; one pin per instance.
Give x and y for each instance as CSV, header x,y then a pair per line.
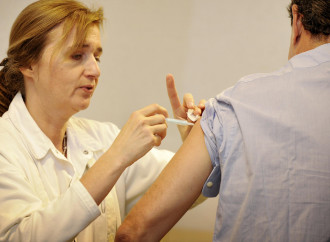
x,y
266,141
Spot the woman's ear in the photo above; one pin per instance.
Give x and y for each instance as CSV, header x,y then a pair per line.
x,y
29,71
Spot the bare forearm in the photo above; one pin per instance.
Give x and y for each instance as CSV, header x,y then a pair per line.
x,y
101,177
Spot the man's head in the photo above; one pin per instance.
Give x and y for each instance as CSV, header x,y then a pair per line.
x,y
310,21
315,15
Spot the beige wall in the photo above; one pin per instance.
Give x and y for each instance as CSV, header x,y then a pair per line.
x,y
206,44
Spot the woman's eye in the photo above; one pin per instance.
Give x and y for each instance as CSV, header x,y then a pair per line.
x,y
77,56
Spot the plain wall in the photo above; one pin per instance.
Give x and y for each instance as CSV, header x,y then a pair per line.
x,y
207,45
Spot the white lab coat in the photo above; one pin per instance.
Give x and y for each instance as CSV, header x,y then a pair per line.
x,y
41,197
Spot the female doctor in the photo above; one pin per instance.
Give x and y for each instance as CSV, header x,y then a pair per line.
x,y
66,178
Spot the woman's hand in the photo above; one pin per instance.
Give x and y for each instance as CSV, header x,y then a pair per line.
x,y
145,129
180,111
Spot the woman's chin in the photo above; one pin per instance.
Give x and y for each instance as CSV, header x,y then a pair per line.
x,y
84,107
81,106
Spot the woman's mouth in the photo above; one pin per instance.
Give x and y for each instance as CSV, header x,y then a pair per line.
x,y
87,88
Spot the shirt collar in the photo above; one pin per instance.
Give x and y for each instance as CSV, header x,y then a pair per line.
x,y
312,57
38,143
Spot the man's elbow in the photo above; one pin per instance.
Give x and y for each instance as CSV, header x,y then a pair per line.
x,y
124,234
129,232
121,237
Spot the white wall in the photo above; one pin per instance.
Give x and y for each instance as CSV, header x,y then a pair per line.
x,y
207,45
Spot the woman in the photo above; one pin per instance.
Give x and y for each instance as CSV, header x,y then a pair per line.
x,y
58,172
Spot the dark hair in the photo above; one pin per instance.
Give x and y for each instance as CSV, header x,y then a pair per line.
x,y
29,34
315,15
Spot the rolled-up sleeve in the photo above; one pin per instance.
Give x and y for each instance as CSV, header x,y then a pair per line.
x,y
211,124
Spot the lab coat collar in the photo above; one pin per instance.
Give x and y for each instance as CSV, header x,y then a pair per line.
x,y
81,135
37,142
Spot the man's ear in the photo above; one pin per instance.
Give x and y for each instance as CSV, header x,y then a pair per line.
x,y
297,26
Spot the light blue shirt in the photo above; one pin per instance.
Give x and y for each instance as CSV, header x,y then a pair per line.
x,y
269,141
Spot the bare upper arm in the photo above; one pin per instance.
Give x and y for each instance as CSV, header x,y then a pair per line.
x,y
173,193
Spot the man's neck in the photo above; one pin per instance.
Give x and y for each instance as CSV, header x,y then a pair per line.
x,y
308,42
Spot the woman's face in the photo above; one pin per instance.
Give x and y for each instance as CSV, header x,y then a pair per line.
x,y
64,79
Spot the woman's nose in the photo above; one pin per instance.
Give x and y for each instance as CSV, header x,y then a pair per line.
x,y
92,68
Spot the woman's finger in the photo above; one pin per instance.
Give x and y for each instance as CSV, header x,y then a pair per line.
x,y
153,109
